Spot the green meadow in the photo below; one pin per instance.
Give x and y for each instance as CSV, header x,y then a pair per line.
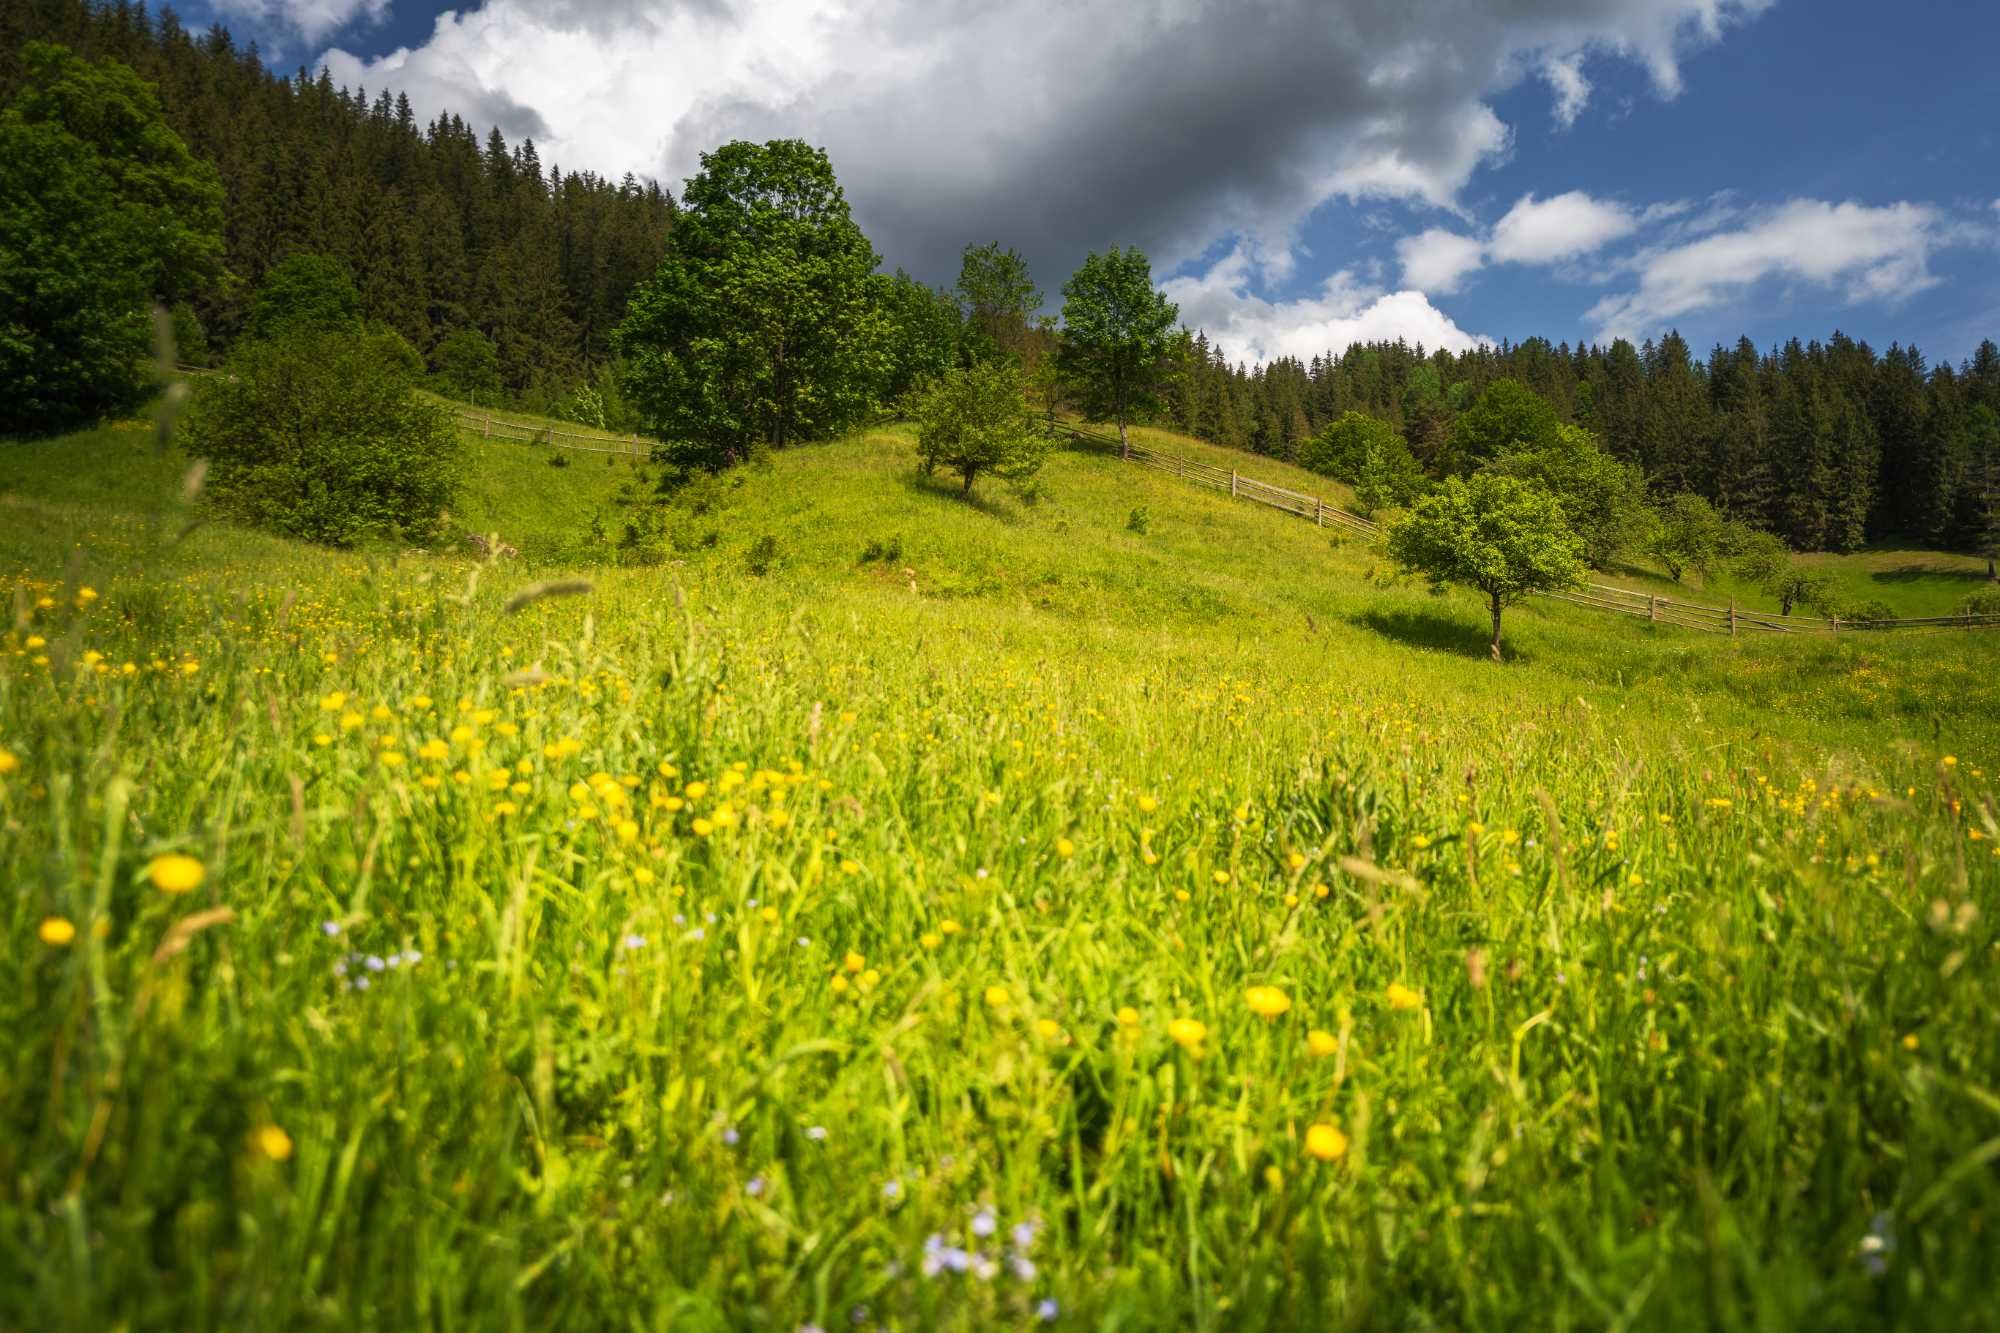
x,y
846,905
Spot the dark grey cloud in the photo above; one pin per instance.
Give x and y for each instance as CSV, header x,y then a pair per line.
x,y
1056,126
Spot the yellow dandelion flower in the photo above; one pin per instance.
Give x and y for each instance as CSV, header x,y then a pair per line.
x,y
853,962
1049,1029
332,703
56,932
996,996
930,939
1267,1001
1148,805
1402,997
176,873
702,827
1128,1017
9,762
1189,1032
1222,877
1322,1043
1326,1142
272,1142
1064,847
949,927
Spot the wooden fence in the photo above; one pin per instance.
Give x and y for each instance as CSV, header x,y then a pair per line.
x,y
1650,607
488,426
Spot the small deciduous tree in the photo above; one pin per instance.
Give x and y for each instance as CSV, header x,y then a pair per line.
x,y
997,299
316,434
304,291
1119,346
466,365
1603,498
1368,454
1688,536
976,420
1504,537
1508,418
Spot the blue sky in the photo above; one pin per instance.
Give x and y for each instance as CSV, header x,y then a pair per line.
x,y
1303,174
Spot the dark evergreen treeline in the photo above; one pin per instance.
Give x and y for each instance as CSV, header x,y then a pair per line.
x,y
1828,444
441,229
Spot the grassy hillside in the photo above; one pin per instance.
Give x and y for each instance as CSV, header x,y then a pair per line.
x,y
1052,920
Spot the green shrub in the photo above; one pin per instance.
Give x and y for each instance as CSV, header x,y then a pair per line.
x,y
762,555
1985,602
316,435
1141,519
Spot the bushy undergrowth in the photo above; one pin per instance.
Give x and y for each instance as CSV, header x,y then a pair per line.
x,y
317,435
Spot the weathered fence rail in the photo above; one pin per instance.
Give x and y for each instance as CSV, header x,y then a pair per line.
x,y
1650,607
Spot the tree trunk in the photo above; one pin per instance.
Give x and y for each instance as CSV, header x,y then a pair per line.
x,y
967,488
1496,627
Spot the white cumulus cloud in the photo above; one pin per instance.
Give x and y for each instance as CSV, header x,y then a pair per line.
x,y
1544,231
1344,311
1856,251
1438,260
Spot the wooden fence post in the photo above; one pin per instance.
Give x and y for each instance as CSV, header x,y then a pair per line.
x,y
1182,474
487,433
1732,620
1232,483
1652,606
1836,624
1319,512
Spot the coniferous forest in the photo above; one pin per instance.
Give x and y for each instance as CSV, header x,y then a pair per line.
x,y
450,233
443,227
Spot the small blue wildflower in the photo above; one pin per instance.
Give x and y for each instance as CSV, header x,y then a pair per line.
x,y
1048,1310
983,1223
1024,1235
635,941
375,964
816,1132
729,1135
754,1187
329,928
893,1190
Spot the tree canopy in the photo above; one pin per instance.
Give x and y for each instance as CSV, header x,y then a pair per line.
x,y
304,291
997,300
1119,344
1500,535
761,325
103,213
1368,454
1603,499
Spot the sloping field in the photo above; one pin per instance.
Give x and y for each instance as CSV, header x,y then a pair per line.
x,y
989,913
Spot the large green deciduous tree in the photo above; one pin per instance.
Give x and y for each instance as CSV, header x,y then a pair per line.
x,y
762,324
1503,536
977,420
923,329
103,212
1119,346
